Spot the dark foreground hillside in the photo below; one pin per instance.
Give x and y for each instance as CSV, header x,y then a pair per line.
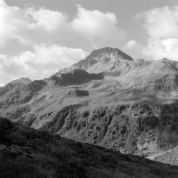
x,y
28,153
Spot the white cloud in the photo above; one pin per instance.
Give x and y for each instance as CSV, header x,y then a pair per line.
x,y
165,48
43,62
47,19
161,25
101,29
133,45
30,25
34,26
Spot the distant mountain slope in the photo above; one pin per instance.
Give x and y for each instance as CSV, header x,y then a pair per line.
x,y
21,92
13,84
107,99
23,80
29,153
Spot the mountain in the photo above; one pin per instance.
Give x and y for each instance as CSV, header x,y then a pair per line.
x,y
29,153
23,80
100,61
13,84
108,99
108,52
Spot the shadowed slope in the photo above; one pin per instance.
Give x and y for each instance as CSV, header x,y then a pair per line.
x,y
29,153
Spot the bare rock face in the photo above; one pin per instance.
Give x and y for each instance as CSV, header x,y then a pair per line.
x,y
107,99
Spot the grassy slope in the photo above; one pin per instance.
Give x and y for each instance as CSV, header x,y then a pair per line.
x,y
56,157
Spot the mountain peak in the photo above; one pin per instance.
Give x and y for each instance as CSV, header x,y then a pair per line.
x,y
108,52
102,60
22,80
13,84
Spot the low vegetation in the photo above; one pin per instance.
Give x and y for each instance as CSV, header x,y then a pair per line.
x,y
28,153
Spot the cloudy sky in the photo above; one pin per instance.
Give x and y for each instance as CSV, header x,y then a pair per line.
x,y
39,37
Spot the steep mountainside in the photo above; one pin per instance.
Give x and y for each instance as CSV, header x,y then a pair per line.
x,y
107,99
28,153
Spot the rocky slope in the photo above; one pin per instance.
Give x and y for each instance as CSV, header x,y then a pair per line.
x,y
29,153
169,157
107,99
